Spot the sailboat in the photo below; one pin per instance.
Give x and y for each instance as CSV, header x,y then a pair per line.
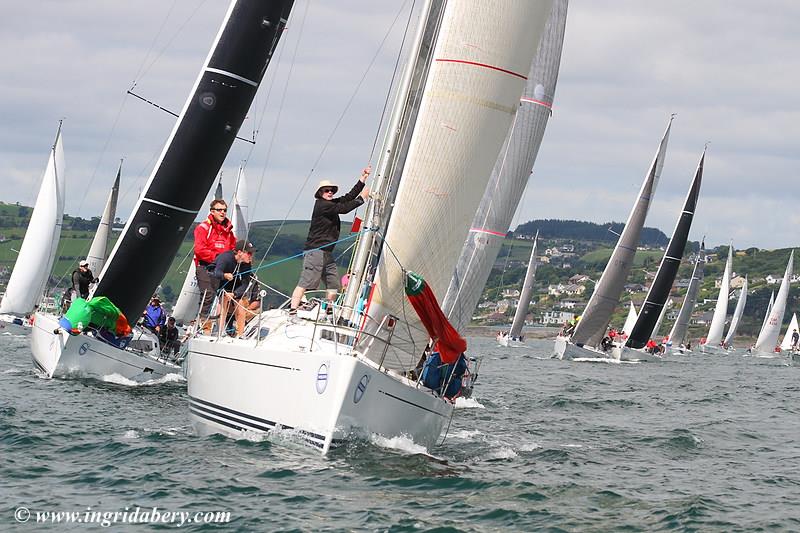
x,y
737,316
584,341
713,339
767,341
172,198
37,254
99,248
654,304
630,320
514,336
326,381
511,174
677,335
786,343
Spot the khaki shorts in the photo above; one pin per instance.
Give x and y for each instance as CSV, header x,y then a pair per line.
x,y
318,265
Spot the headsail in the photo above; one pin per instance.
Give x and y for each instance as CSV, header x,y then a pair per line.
x,y
681,326
721,310
786,344
768,337
195,151
630,320
510,175
99,248
655,302
737,314
607,291
480,61
38,251
526,294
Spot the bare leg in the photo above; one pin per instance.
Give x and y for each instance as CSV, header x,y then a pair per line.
x,y
227,298
297,295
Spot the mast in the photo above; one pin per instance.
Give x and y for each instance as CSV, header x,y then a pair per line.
x,y
768,337
194,152
97,252
37,253
737,314
721,310
512,172
655,301
681,326
527,293
607,291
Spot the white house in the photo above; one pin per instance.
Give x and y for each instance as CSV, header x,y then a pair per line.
x,y
557,317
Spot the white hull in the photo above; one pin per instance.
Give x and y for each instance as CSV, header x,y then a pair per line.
x,y
323,392
64,355
713,350
623,353
7,325
508,341
564,349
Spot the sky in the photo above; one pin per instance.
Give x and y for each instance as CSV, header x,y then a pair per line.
x,y
729,69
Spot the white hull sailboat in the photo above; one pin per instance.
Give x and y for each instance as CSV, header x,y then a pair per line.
x,y
38,251
767,341
713,339
514,336
786,343
584,342
174,194
328,382
678,334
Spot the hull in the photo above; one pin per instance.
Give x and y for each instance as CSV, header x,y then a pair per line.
x,y
565,349
796,357
507,340
713,350
10,327
636,356
63,355
322,393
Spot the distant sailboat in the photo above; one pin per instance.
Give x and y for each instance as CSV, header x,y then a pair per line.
x,y
768,337
786,344
677,336
98,251
717,327
514,336
37,254
654,306
585,339
737,316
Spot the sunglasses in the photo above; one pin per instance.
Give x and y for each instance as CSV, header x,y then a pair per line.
x,y
222,209
326,190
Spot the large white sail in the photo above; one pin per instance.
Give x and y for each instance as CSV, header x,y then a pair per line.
x,y
99,248
511,173
526,294
768,337
630,320
607,291
769,310
480,61
786,343
721,310
38,251
737,314
678,333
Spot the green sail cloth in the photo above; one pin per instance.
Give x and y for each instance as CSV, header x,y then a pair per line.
x,y
414,284
98,311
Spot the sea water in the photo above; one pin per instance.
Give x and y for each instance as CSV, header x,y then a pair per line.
x,y
694,443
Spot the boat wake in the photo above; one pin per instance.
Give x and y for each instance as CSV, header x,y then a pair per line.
x,y
468,403
402,444
122,380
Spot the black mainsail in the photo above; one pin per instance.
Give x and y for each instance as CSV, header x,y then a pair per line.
x,y
662,284
194,153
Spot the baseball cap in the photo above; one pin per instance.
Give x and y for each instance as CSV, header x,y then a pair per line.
x,y
245,246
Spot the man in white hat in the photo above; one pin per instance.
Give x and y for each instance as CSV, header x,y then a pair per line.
x,y
318,262
82,278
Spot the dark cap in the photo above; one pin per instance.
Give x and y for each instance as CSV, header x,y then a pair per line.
x,y
244,246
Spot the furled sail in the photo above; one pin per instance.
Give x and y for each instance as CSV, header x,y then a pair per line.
x,y
38,251
195,151
681,326
480,61
99,248
786,344
607,291
768,337
721,310
510,175
655,301
737,314
526,294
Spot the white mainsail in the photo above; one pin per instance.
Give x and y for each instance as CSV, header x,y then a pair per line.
x,y
678,333
99,248
737,314
768,337
769,310
511,173
38,251
480,61
607,291
786,344
721,310
630,320
661,316
526,294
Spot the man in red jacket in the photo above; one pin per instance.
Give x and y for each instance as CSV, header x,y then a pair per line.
x,y
211,237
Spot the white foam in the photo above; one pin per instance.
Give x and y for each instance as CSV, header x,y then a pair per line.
x,y
468,403
466,434
122,380
502,453
530,447
596,360
131,434
401,443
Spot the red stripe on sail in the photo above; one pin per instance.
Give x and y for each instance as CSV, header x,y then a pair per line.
x,y
484,65
490,232
539,102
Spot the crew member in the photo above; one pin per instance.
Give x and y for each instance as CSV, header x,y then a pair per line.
x,y
211,237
